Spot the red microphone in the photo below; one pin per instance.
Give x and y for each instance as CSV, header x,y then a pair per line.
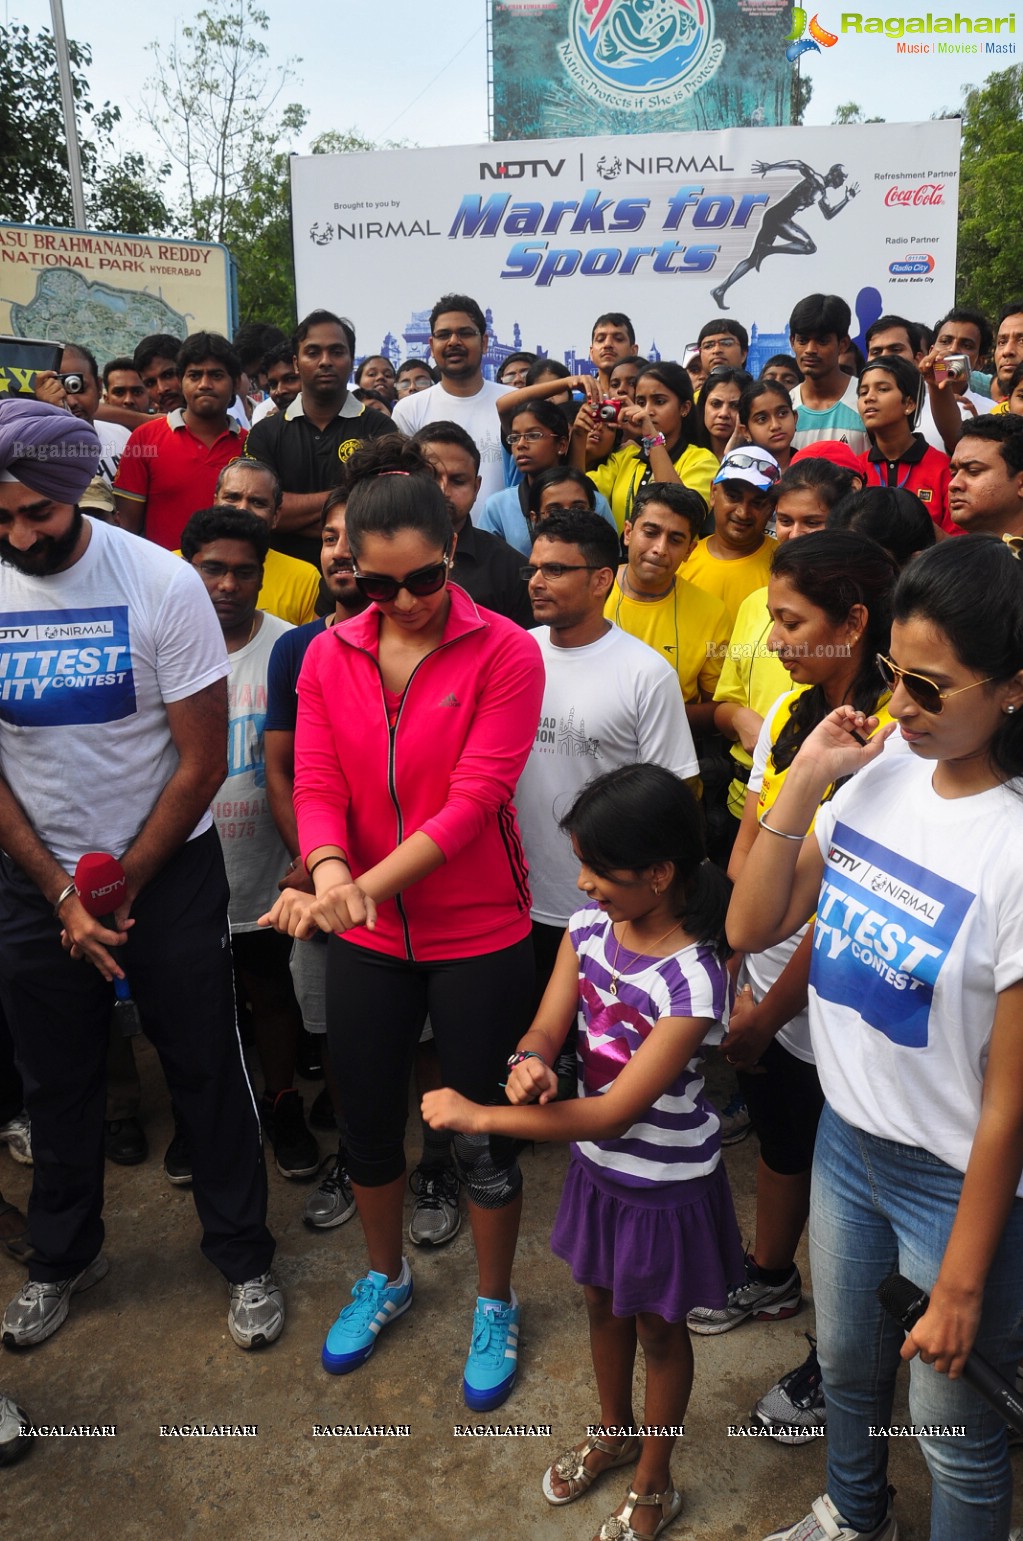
x,y
101,885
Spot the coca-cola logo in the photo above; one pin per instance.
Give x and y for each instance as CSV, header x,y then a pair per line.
x,y
927,192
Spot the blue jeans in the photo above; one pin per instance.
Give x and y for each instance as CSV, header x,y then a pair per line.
x,y
877,1208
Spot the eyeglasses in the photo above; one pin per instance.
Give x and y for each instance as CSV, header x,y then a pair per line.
x,y
919,688
741,462
463,333
551,571
246,572
425,580
582,507
532,437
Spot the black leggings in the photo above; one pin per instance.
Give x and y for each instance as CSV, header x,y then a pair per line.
x,y
376,1007
785,1105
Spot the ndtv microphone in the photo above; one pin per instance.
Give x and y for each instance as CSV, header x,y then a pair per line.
x,y
907,1302
100,884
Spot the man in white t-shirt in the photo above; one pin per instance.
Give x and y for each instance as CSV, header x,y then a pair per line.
x,y
458,341
113,729
609,700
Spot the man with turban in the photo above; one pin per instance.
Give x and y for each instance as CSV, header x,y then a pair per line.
x,y
113,738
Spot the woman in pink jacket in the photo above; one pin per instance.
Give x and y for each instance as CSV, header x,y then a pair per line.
x,y
415,720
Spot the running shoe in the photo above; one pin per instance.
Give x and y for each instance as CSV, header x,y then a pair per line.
x,y
492,1365
824,1523
435,1214
375,1305
794,1408
753,1298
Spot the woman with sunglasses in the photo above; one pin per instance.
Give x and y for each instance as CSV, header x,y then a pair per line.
x,y
667,450
829,601
538,440
916,1024
888,397
415,720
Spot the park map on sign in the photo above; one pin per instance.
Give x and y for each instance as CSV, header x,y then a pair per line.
x,y
106,320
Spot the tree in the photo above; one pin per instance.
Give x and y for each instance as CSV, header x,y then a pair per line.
x,y
802,90
991,193
210,105
121,193
852,112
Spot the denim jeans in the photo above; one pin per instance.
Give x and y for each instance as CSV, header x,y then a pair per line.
x,y
876,1208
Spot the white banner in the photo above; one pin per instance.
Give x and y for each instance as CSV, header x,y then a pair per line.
x,y
672,229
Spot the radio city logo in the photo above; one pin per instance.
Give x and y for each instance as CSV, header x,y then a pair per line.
x,y
926,194
640,55
806,37
919,262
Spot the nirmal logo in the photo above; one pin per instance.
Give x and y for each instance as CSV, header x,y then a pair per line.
x,y
321,234
921,262
640,55
807,37
514,171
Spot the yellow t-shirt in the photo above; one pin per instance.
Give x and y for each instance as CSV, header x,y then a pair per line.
x,y
773,778
730,581
750,676
623,473
289,588
688,627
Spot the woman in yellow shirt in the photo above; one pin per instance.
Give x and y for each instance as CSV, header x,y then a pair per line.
x,y
667,451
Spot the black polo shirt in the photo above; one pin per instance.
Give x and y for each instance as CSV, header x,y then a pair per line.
x,y
487,568
306,458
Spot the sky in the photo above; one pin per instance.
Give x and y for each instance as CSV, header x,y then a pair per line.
x,y
414,71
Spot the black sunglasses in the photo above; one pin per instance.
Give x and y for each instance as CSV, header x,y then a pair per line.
x,y
425,580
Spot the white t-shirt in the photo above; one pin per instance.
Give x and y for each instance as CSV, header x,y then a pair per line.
x,y
254,853
927,426
762,969
613,702
112,439
89,658
919,927
476,414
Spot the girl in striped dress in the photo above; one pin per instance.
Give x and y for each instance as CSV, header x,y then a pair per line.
x,y
646,1219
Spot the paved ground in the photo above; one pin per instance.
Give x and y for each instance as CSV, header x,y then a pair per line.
x,y
149,1346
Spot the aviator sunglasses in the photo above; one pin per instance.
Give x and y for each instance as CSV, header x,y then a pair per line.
x,y
425,580
917,686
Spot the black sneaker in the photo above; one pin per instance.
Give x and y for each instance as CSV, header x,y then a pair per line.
x,y
177,1163
124,1141
794,1408
295,1149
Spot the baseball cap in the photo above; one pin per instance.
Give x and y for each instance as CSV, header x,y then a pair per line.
x,y
750,464
835,450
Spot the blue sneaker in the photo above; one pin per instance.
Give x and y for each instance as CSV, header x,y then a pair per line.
x,y
492,1364
375,1304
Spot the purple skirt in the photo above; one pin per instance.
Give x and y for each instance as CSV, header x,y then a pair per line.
x,y
661,1250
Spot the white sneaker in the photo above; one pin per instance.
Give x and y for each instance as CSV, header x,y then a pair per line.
x,y
824,1523
17,1136
256,1313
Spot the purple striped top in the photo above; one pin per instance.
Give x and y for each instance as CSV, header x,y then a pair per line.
x,y
679,1137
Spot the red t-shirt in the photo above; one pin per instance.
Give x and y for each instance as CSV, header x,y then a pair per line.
x,y
173,473
923,470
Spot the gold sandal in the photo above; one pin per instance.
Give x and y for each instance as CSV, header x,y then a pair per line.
x,y
617,1528
571,1467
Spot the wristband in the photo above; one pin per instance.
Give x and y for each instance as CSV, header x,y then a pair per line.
x,y
65,894
654,439
524,1054
781,833
322,859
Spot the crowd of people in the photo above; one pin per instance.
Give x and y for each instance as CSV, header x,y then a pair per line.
x,y
530,739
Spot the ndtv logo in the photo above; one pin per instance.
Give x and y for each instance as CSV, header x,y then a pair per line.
x,y
106,888
512,171
927,192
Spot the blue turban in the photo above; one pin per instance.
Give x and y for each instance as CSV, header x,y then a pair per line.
x,y
49,450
